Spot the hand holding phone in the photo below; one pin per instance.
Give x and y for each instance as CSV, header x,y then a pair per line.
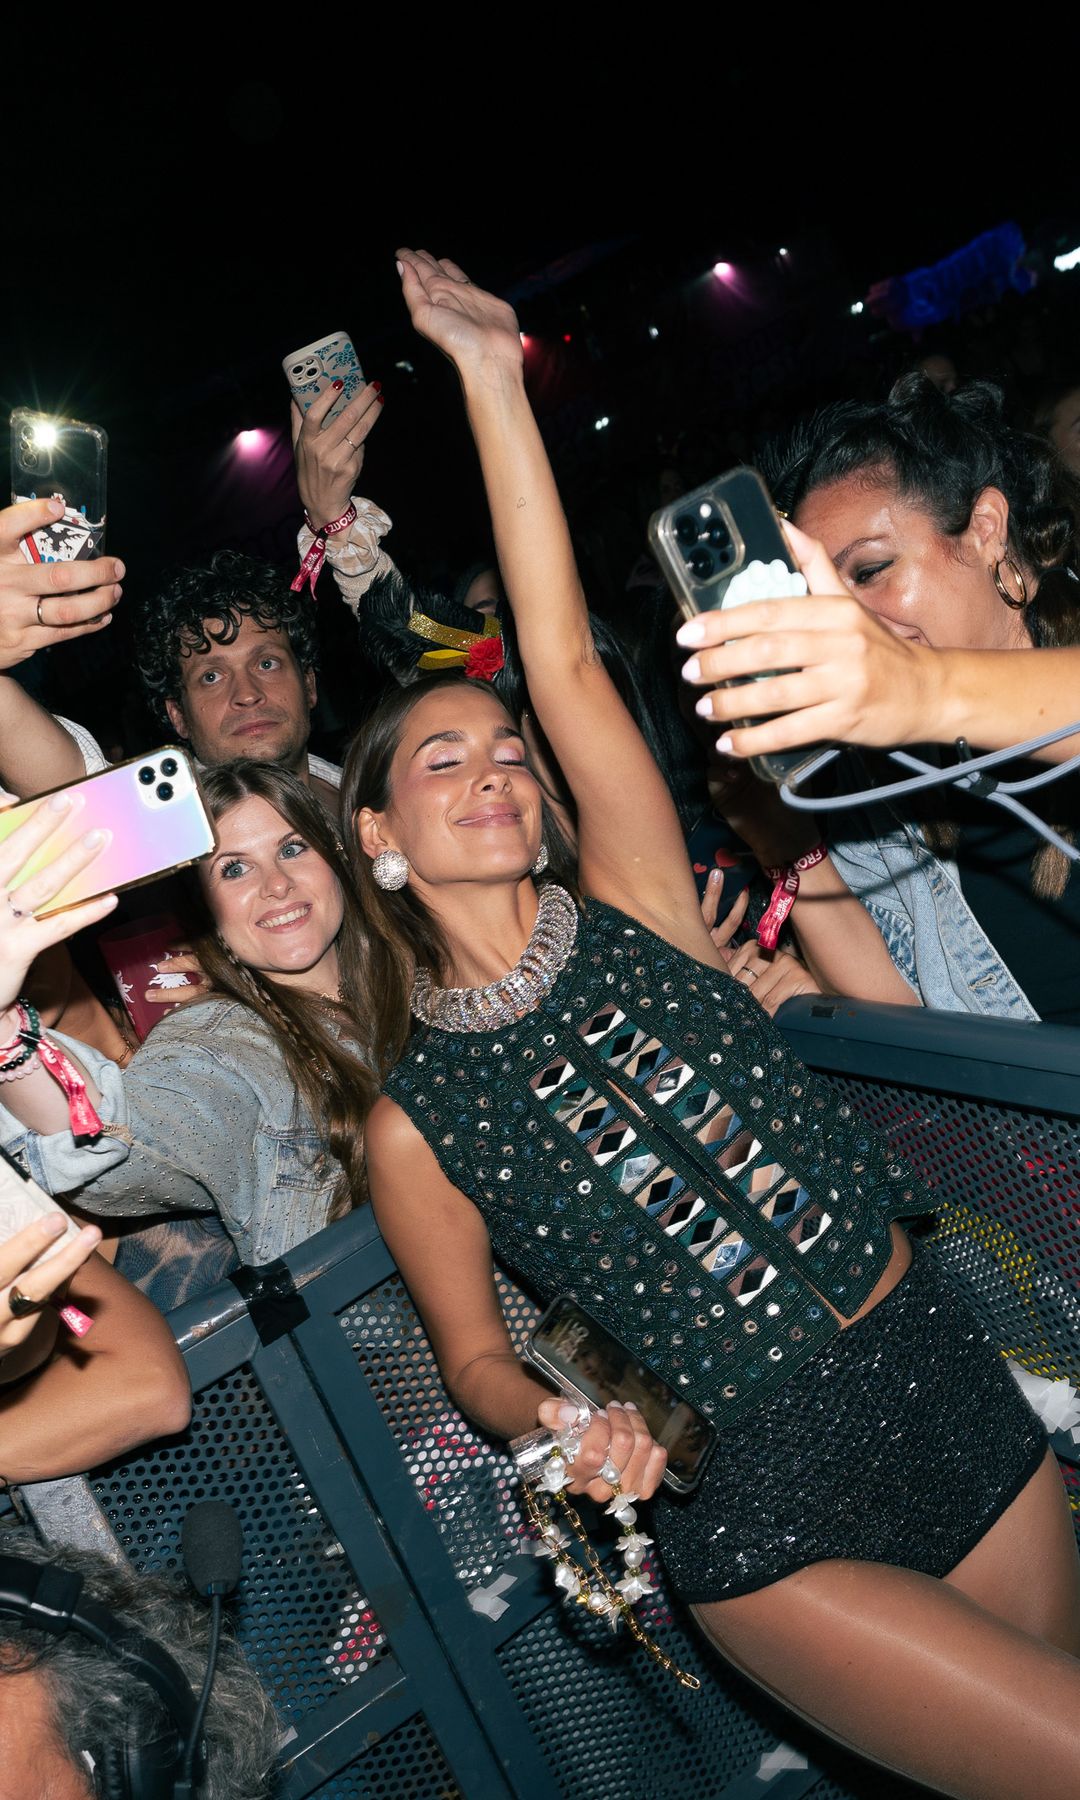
x,y
114,830
65,459
720,547
329,364
329,456
45,603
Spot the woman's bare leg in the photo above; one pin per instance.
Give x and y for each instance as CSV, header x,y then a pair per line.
x,y
951,1682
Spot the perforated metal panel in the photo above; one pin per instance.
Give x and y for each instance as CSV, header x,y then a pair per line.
x,y
372,1510
300,1613
466,1482
405,1765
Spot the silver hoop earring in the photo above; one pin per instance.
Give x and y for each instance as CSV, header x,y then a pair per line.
x,y
390,870
542,860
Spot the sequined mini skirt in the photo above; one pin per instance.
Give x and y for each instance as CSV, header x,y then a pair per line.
x,y
900,1442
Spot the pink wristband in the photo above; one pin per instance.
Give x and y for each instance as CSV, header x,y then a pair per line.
x,y
316,555
784,894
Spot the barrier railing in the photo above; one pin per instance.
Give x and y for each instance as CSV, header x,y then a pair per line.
x,y
391,1602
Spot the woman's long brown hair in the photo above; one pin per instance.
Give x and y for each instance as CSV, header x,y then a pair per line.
x,y
398,934
323,1046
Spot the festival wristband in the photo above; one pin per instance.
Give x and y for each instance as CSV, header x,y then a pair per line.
x,y
316,554
785,881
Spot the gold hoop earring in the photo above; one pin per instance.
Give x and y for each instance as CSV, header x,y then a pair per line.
x,y
1017,602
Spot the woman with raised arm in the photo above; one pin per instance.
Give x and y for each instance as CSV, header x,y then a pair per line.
x,y
881,1537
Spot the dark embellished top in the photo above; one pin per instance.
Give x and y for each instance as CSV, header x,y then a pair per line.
x,y
646,1142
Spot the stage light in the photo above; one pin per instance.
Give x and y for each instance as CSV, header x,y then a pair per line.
x,y
566,338
251,443
405,366
525,340
44,435
602,423
1070,260
653,332
856,307
722,270
783,252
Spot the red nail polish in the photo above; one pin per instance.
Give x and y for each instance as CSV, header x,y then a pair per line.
x,y
381,399
339,384
377,385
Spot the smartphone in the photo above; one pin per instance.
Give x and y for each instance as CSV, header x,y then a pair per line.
x,y
65,459
154,810
22,1202
572,1349
722,546
313,368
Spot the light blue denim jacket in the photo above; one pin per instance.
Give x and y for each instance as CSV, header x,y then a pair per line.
x,y
915,899
204,1119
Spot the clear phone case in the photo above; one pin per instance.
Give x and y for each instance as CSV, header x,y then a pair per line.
x,y
723,546
66,458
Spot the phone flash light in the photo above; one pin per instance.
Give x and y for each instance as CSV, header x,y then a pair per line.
x,y
45,436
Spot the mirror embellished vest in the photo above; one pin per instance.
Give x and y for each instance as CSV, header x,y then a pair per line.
x,y
645,1142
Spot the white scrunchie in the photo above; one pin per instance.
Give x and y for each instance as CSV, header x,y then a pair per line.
x,y
355,556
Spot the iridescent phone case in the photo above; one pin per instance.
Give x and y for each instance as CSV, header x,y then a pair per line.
x,y
155,814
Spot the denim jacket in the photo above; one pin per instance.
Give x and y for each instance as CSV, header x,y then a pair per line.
x,y
205,1119
930,931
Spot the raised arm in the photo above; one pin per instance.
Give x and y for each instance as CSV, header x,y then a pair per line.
x,y
630,844
43,604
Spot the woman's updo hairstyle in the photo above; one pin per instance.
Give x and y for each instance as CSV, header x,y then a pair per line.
x,y
941,450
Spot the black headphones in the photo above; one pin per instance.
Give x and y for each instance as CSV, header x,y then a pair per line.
x,y
48,1598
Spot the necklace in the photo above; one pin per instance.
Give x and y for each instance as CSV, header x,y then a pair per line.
x,y
520,989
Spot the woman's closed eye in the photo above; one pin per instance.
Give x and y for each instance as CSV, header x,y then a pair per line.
x,y
865,574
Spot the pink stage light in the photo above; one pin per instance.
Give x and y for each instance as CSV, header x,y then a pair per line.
x,y
252,443
722,270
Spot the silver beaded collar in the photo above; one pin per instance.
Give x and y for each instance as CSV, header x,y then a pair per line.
x,y
541,963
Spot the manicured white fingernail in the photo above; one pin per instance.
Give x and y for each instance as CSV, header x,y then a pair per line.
x,y
724,745
400,267
629,1404
52,1226
60,803
94,839
703,707
693,632
55,506
90,1234
716,875
568,1414
691,671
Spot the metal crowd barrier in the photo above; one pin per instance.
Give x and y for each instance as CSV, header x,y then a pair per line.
x,y
391,1603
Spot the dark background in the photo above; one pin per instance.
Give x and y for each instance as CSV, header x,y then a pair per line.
x,y
187,219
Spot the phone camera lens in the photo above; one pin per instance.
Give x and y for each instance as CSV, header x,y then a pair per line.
x,y
147,775
686,529
168,766
719,535
164,790
701,562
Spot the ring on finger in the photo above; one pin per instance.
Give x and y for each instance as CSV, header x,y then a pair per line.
x,y
348,440
37,609
16,912
610,1473
20,1305
748,974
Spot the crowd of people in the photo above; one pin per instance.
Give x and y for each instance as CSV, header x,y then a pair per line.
x,y
502,976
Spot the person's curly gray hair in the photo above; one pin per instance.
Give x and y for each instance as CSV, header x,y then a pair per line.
x,y
94,1702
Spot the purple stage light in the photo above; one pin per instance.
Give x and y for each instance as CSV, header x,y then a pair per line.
x,y
723,271
252,443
